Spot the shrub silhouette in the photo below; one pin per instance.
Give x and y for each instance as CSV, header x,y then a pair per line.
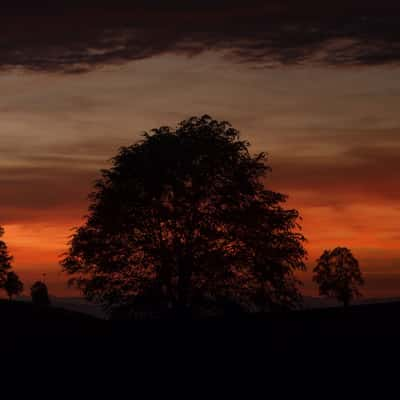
x,y
184,213
13,285
5,259
39,294
338,275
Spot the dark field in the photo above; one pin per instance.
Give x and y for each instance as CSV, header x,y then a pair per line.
x,y
372,329
294,352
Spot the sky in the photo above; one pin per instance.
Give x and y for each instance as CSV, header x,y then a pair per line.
x,y
316,87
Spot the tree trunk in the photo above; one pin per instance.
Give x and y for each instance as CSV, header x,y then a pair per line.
x,y
184,286
346,303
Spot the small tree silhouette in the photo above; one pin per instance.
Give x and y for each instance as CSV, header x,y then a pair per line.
x,y
5,259
13,285
39,294
338,275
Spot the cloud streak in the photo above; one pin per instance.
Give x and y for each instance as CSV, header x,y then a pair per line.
x,y
361,175
71,38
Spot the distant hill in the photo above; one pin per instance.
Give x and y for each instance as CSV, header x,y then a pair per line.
x,y
77,304
22,317
320,302
80,305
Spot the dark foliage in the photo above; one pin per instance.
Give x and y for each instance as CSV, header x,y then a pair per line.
x,y
182,215
39,294
13,285
5,259
338,275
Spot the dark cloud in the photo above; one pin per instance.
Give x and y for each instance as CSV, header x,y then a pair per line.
x,y
65,36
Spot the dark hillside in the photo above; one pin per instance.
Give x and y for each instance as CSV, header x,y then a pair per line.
x,y
27,313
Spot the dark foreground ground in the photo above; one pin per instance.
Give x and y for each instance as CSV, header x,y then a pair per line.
x,y
314,342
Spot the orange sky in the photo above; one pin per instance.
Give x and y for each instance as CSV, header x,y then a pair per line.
x,y
333,135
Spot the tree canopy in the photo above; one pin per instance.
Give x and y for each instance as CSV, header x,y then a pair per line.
x,y
338,275
40,294
13,285
5,259
184,214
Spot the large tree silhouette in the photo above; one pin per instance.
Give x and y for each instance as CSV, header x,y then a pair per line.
x,y
338,275
182,215
5,259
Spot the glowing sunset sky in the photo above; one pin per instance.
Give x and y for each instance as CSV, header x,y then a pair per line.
x,y
318,89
